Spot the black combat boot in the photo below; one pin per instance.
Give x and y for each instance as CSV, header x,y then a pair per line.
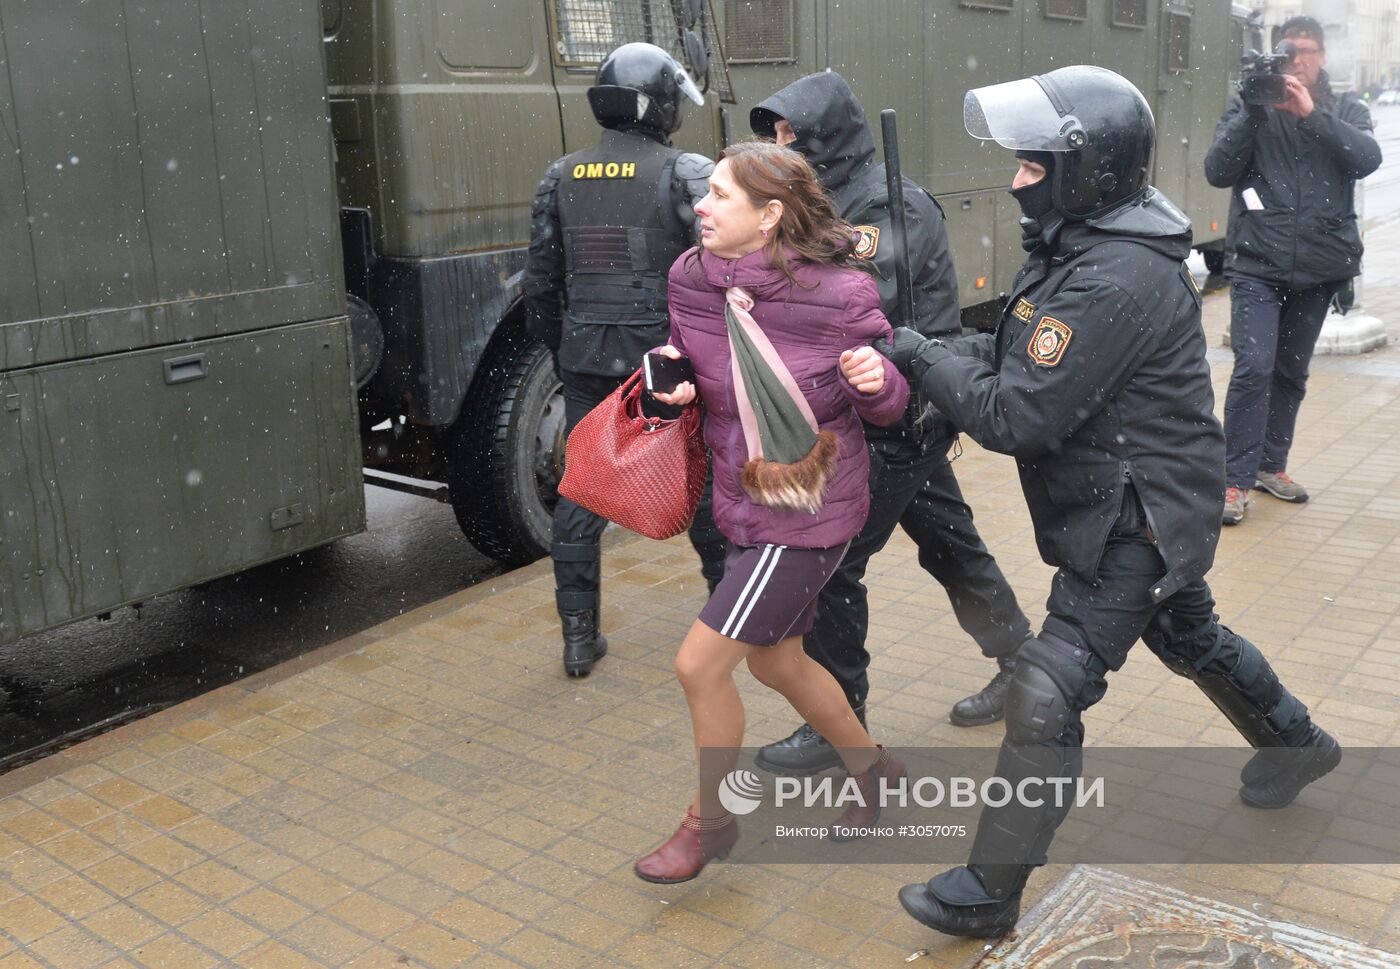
x,y
986,706
1276,775
981,917
804,751
583,644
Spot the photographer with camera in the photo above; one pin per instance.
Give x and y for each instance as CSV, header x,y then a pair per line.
x,y
1292,151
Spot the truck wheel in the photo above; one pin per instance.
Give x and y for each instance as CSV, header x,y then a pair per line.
x,y
1215,261
506,454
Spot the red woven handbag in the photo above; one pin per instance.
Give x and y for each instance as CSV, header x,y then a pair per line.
x,y
644,473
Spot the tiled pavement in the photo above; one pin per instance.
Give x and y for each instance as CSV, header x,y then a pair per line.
x,y
434,792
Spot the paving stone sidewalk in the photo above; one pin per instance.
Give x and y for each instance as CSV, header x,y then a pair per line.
x,y
434,792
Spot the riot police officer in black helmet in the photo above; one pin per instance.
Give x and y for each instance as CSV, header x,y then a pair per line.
x,y
1096,381
606,225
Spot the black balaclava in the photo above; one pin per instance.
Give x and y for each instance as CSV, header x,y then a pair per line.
x,y
1036,200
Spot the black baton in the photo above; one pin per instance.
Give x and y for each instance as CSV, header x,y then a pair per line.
x,y
894,184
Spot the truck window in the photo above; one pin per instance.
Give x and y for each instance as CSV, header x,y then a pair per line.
x,y
758,31
330,18
1236,48
585,31
1130,13
588,29
1178,40
1067,9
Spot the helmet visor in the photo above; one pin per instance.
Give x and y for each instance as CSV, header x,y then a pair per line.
x,y
1022,115
688,86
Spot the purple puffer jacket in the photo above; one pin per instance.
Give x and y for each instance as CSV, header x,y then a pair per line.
x,y
810,328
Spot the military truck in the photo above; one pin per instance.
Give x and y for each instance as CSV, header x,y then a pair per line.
x,y
445,116
196,372
919,58
176,396
259,251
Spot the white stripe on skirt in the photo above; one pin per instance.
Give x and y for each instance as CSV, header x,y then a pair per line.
x,y
758,592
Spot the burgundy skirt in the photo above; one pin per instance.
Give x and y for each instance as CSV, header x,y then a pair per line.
x,y
769,592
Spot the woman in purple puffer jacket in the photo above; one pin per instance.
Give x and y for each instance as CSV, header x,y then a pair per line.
x,y
778,329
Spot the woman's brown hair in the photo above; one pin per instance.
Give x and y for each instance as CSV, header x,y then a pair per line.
x,y
766,171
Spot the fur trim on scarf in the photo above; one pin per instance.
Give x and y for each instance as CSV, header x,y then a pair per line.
x,y
800,486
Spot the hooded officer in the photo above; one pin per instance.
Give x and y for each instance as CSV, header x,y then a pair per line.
x,y
911,480
1096,381
606,225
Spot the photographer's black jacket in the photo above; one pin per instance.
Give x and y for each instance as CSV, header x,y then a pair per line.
x,y
1304,171
832,133
1097,375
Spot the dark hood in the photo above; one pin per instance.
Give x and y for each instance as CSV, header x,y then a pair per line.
x,y
828,121
1152,221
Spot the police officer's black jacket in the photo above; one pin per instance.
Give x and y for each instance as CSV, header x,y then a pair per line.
x,y
1304,171
1097,375
832,133
606,225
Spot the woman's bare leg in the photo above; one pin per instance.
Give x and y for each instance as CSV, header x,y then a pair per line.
x,y
817,698
705,666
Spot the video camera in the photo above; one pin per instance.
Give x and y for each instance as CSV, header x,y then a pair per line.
x,y
1263,82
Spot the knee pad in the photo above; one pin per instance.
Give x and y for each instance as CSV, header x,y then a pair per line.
x,y
1054,682
1036,708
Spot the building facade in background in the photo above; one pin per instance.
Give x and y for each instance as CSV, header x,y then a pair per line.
x,y
1363,37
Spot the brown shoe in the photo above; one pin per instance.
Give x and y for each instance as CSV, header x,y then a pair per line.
x,y
696,843
1236,500
1281,486
863,815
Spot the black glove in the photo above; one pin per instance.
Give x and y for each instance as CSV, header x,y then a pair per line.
x,y
902,347
909,352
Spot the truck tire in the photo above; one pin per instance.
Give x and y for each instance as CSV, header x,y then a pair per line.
x,y
505,453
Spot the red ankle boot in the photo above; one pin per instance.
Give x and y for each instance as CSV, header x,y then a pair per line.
x,y
696,843
862,816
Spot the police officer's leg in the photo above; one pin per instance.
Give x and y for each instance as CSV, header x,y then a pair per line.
x,y
575,548
706,538
1059,675
1303,313
940,523
837,639
1293,751
1255,308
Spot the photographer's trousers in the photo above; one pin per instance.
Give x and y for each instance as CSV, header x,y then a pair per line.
x,y
1273,330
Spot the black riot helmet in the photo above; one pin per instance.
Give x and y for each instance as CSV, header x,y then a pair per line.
x,y
641,85
1096,123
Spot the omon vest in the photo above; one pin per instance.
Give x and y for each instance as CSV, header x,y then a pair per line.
x,y
620,232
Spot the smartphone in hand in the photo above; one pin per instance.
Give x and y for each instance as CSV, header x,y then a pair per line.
x,y
663,374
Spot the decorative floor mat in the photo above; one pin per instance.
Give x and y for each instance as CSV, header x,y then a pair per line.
x,y
1098,919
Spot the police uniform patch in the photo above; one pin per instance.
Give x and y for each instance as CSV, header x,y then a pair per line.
x,y
610,169
1048,342
867,241
1024,310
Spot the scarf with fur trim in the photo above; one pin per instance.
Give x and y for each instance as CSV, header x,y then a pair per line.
x,y
791,460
